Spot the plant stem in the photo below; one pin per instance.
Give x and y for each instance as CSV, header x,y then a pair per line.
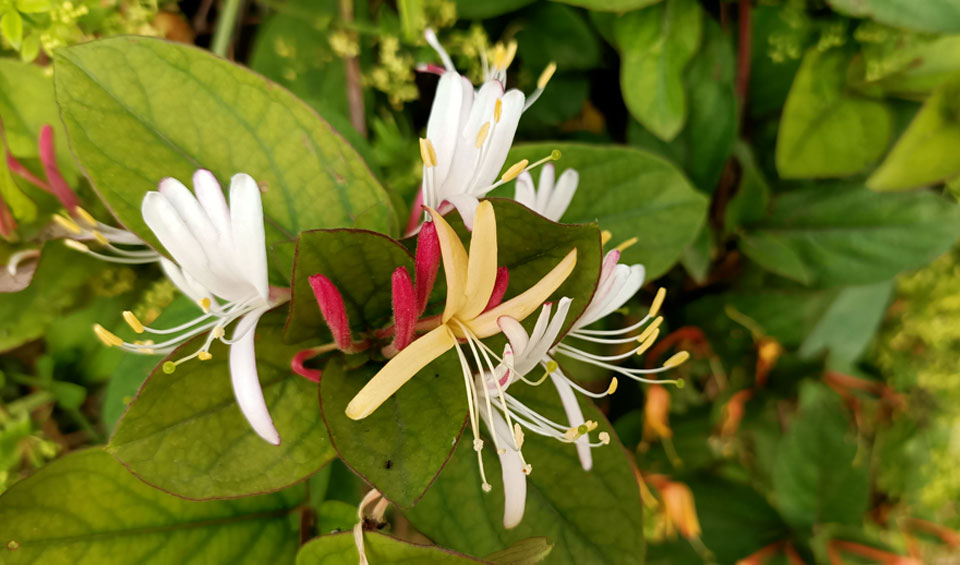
x,y
226,23
745,39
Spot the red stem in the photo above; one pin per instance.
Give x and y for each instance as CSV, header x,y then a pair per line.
x,y
745,40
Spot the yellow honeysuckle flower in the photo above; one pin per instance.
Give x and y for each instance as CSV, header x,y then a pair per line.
x,y
470,281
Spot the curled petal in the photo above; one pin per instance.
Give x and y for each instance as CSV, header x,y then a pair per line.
x,y
454,265
249,240
481,262
562,194
511,467
333,309
404,308
499,288
246,382
525,193
297,365
574,416
7,224
426,264
58,185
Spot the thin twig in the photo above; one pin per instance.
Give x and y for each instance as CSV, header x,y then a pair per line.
x,y
226,24
354,86
743,54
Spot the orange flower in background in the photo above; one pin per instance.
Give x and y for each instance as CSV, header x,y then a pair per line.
x,y
656,414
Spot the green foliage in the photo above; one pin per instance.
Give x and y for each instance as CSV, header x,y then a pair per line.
x,y
337,549
931,16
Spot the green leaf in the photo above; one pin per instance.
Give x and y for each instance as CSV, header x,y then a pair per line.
x,y
927,152
472,10
560,34
850,235
933,16
631,193
11,27
21,206
138,110
401,447
339,549
751,201
87,509
184,433
523,552
33,6
818,477
827,131
928,63
591,516
656,43
610,5
335,516
848,326
360,264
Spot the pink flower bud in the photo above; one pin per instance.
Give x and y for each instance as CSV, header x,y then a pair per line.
x,y
58,185
333,310
405,311
499,288
427,264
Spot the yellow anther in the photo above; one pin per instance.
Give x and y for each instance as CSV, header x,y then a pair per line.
x,y
482,135
498,110
510,54
650,329
76,245
132,321
427,153
204,304
627,244
204,356
613,386
101,239
514,170
499,54
517,435
546,75
145,350
552,366
67,224
649,342
677,359
571,434
657,301
477,444
107,337
217,332
85,216
605,236
604,438
590,425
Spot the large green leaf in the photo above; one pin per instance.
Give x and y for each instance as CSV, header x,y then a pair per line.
x,y
927,152
848,326
469,9
827,131
138,110
590,516
402,446
560,34
360,264
818,477
631,193
86,509
610,5
185,434
656,43
340,549
934,16
850,235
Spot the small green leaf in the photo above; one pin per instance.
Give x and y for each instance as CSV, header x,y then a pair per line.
x,y
927,152
11,27
340,549
610,5
402,446
818,477
847,234
86,509
335,516
933,16
139,109
656,43
33,6
848,326
592,516
631,193
523,552
20,205
825,130
185,434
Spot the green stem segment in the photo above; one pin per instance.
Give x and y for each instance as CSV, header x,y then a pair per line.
x,y
226,23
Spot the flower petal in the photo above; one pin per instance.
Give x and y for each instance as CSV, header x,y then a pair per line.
x,y
185,282
164,221
466,205
399,370
500,142
525,193
444,122
515,333
246,382
481,262
211,198
521,306
454,265
545,339
249,240
545,188
511,468
562,194
574,416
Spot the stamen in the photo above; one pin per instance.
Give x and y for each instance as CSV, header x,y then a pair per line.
x,y
132,321
605,236
627,244
649,342
427,153
204,304
101,239
657,301
678,359
498,110
482,135
613,386
654,325
514,170
499,54
85,216
67,224
204,356
546,75
517,436
108,338
604,438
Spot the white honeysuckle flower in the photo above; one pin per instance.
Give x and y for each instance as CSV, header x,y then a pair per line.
x,y
617,284
549,199
469,133
220,261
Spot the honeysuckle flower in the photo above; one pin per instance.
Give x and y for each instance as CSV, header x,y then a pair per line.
x,y
471,282
679,509
469,133
220,261
550,199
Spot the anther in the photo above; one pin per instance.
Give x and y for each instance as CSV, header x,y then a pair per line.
x,y
677,359
517,435
101,239
498,110
604,438
477,444
204,304
204,356
527,469
486,487
106,336
510,54
217,332
482,135
605,236
427,153
649,342
133,321
627,244
546,75
85,216
613,386
67,224
658,301
514,170
651,327
76,245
